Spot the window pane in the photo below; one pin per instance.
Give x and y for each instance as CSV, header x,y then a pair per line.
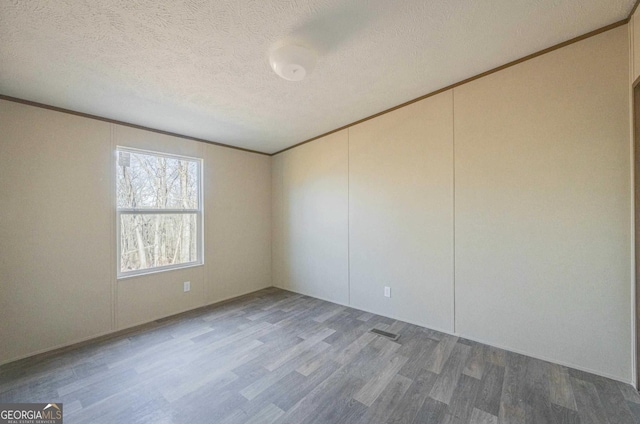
x,y
150,240
146,181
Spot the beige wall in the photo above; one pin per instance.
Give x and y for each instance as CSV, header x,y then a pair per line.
x,y
634,32
542,209
311,198
277,222
55,233
238,222
57,223
634,74
400,213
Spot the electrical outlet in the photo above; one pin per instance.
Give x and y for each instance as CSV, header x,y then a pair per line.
x,y
187,286
387,291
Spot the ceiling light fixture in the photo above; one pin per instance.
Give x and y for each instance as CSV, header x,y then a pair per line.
x,y
292,62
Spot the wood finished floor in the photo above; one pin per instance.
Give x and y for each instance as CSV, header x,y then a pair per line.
x,y
279,357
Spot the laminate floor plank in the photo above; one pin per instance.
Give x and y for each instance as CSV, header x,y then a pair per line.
x,y
277,374
562,415
418,349
286,398
561,389
635,410
613,401
414,398
629,393
512,405
301,347
479,416
589,405
365,316
336,392
432,412
441,353
463,400
389,400
278,357
370,392
476,362
536,392
267,416
447,381
488,398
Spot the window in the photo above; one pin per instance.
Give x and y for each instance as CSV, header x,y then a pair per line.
x,y
159,211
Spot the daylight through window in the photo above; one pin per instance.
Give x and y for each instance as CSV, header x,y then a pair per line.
x,y
159,211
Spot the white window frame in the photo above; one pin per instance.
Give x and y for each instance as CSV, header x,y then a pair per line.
x,y
134,211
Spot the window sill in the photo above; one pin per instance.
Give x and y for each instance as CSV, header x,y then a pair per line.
x,y
146,272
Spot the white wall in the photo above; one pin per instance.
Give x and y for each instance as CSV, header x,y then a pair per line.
x,y
57,231
542,209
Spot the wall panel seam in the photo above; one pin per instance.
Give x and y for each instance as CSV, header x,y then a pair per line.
x,y
634,362
453,163
349,216
112,235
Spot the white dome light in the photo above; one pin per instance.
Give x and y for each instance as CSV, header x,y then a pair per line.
x,y
292,62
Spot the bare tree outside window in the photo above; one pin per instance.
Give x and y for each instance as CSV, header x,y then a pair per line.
x,y
159,211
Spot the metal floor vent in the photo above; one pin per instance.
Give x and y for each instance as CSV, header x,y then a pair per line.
x,y
386,334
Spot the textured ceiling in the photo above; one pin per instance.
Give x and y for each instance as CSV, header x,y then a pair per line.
x,y
200,67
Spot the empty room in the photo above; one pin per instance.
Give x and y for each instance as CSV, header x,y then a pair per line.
x,y
319,211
